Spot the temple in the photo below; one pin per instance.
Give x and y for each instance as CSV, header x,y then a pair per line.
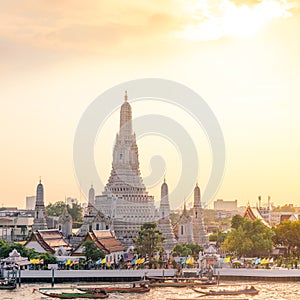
x,y
125,200
39,221
164,223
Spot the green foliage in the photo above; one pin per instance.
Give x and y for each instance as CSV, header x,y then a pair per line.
x,y
218,237
91,252
250,238
6,248
186,250
149,240
287,234
57,209
48,258
285,208
76,212
237,221
181,250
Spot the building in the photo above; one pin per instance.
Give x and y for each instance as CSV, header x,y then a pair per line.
x,y
105,242
15,227
92,195
253,213
125,199
49,240
222,205
65,223
39,221
199,232
191,229
164,222
30,202
184,228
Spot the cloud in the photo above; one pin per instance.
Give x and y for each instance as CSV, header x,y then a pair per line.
x,y
138,25
213,20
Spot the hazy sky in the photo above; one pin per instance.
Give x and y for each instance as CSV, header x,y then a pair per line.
x,y
242,57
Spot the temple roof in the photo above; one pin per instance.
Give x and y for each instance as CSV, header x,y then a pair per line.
x,y
104,240
50,240
254,214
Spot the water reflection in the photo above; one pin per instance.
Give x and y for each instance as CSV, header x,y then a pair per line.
x,y
267,291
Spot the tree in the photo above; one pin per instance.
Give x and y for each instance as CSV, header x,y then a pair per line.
x,y
250,238
149,240
91,252
287,234
76,212
285,208
6,248
58,207
48,258
55,209
181,250
218,237
237,221
195,248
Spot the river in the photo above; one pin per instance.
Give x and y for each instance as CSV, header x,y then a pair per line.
x,y
267,291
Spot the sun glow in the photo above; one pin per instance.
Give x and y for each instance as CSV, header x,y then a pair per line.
x,y
211,22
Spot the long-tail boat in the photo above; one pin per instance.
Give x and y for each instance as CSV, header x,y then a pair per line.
x,y
8,284
246,291
181,282
74,295
116,289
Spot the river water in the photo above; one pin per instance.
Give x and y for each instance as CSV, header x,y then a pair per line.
x,y
267,291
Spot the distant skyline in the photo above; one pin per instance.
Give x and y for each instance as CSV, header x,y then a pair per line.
x,y
241,57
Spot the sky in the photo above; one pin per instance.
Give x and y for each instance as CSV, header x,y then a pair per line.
x,y
241,57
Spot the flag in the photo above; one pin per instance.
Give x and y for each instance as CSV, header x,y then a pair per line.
x,y
227,259
184,260
258,260
42,261
68,262
142,260
190,261
75,262
133,261
35,261
103,261
271,260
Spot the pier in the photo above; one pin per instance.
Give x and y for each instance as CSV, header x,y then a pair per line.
x,y
61,276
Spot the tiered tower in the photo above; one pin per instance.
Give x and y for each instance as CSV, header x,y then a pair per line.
x,y
125,199
39,221
199,232
164,223
65,223
92,195
185,227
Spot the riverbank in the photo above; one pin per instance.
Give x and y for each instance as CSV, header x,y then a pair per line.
x,y
258,274
62,276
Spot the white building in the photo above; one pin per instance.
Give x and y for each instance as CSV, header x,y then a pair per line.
x,y
125,199
30,202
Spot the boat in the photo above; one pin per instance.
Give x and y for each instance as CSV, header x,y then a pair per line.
x,y
141,287
246,291
8,284
74,295
116,289
180,282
